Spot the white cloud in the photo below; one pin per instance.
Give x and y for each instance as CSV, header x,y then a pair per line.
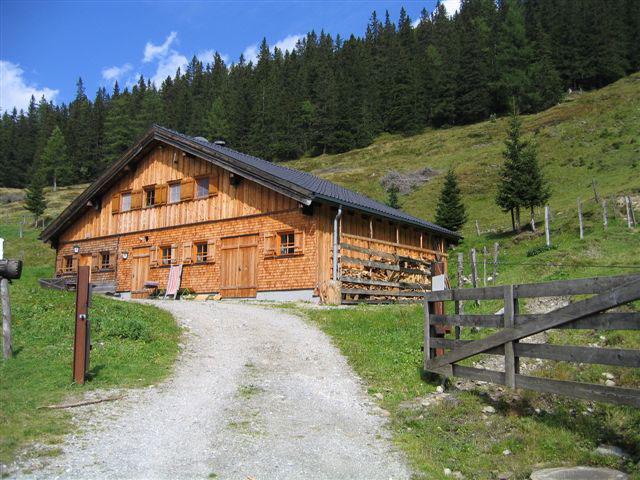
x,y
286,44
206,56
114,73
416,22
452,6
14,92
151,51
167,67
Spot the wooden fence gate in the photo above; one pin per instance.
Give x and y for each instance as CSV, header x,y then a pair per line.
x,y
588,314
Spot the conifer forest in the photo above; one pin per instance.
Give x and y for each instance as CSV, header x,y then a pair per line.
x,y
334,94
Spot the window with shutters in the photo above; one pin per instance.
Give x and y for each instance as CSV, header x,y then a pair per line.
x,y
150,196
174,192
166,255
202,251
105,260
202,187
68,264
125,202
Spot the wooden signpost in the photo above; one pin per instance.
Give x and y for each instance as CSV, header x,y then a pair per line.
x,y
82,339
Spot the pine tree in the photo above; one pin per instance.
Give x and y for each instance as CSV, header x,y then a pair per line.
x,y
510,192
217,127
35,201
54,164
450,211
392,196
534,187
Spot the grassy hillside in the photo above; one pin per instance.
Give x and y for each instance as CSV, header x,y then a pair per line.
x,y
133,345
589,135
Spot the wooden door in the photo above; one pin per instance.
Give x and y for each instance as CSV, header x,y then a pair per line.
x,y
139,268
238,267
85,261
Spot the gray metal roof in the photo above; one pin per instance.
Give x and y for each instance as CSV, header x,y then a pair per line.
x,y
322,190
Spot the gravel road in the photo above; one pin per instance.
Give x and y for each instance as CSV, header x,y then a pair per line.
x,y
257,394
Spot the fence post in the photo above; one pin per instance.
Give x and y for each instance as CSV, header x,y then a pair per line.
x,y
459,304
547,231
596,197
5,310
511,362
426,351
626,204
477,228
484,266
580,219
474,271
633,215
605,214
496,247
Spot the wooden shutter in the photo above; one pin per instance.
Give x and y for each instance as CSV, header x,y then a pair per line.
x,y
136,199
74,264
161,194
186,189
211,251
269,244
95,261
112,257
59,261
174,253
298,242
187,252
213,185
115,203
153,253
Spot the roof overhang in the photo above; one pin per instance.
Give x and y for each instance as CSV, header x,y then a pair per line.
x,y
154,136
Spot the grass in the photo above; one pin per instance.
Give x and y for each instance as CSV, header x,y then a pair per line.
x,y
589,136
133,345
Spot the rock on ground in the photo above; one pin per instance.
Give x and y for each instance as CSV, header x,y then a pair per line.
x,y
257,393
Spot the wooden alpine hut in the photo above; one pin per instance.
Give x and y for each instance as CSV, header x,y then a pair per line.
x,y
239,226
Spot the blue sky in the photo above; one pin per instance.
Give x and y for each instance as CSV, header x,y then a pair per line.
x,y
46,45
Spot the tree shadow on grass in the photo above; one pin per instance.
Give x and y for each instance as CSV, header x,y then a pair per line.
x,y
93,372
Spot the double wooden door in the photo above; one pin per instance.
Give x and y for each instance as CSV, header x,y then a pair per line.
x,y
239,265
139,268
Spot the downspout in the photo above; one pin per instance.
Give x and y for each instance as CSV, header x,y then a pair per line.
x,y
335,243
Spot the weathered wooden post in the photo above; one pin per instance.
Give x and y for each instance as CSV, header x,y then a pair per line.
x,y
628,205
596,197
477,228
633,215
82,343
474,271
459,305
9,270
511,362
580,219
605,214
547,231
496,247
484,266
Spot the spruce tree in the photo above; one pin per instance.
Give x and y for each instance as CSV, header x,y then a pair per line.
x,y
451,212
509,197
534,187
35,201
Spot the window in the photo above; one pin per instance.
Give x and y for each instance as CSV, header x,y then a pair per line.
x,y
202,252
105,260
202,187
166,255
287,243
126,202
150,196
174,192
68,264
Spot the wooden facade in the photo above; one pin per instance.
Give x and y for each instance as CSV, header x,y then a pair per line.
x,y
233,235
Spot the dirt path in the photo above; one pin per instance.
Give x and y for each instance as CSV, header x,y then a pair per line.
x,y
257,393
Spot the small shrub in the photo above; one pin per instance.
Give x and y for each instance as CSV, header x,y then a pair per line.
x,y
130,328
540,249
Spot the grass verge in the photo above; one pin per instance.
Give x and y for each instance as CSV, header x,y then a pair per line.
x,y
133,345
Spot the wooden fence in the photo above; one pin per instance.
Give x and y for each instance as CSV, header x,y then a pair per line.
x,y
375,271
591,313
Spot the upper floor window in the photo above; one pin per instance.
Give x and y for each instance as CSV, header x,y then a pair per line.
x,y
125,202
202,187
149,196
174,192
